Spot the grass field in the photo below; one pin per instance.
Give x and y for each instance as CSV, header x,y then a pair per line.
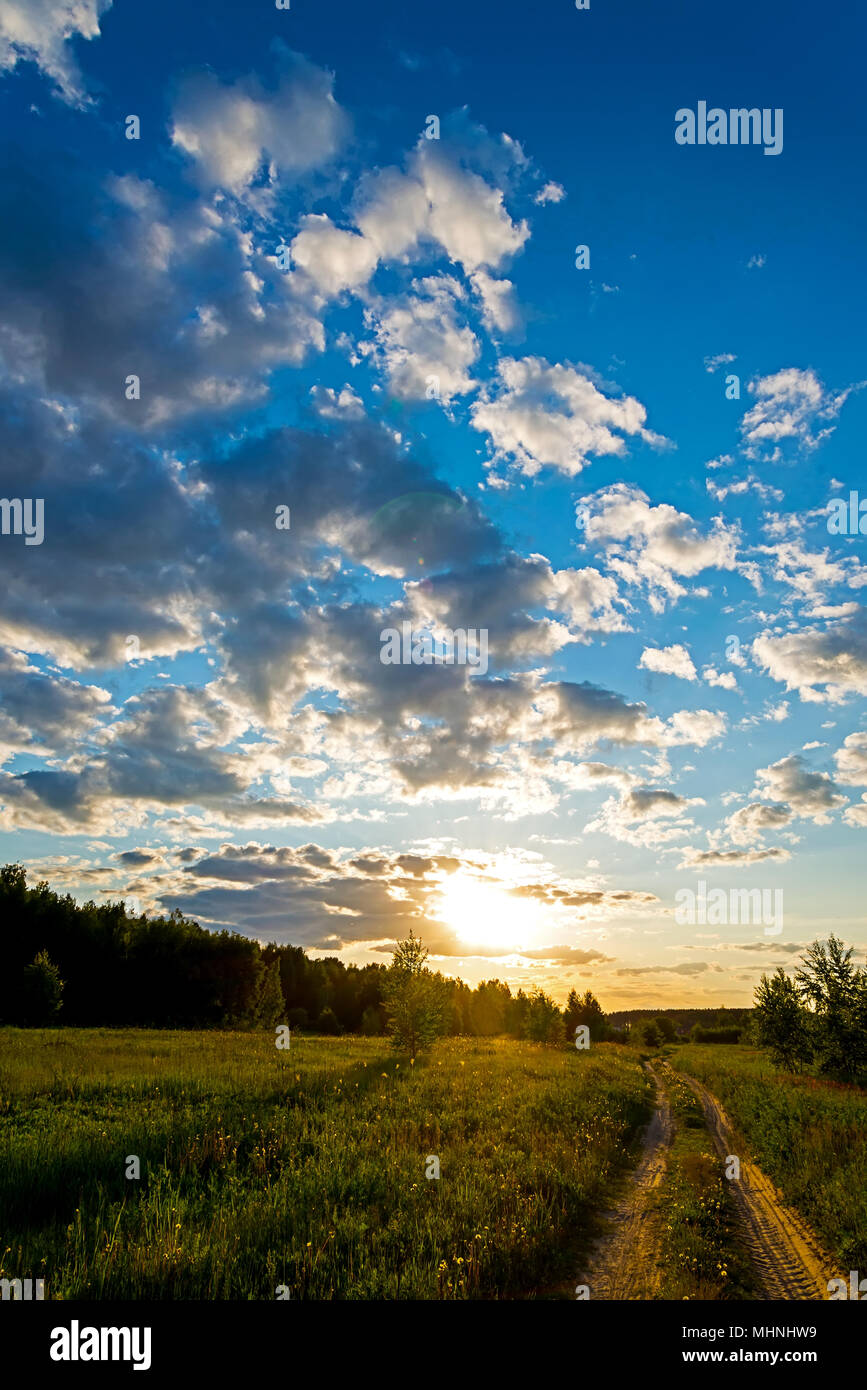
x,y
304,1168
808,1134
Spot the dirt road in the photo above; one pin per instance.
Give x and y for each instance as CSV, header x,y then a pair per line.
x,y
788,1259
625,1263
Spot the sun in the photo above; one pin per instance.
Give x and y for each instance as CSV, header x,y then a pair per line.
x,y
482,913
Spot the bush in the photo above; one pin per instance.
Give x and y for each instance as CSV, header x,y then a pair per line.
x,y
371,1022
41,997
327,1022
715,1035
649,1034
544,1022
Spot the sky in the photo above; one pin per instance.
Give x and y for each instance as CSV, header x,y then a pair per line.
x,y
298,345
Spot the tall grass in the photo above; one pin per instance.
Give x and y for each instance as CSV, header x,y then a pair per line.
x,y
304,1168
702,1258
809,1135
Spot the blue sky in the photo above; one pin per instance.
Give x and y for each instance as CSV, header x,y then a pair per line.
x,y
621,473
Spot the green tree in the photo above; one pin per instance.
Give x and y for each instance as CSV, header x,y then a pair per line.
x,y
371,1023
834,991
414,1000
544,1021
649,1034
41,996
780,1023
667,1030
327,1022
269,1003
586,1011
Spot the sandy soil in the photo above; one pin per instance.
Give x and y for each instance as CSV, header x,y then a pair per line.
x,y
625,1262
787,1257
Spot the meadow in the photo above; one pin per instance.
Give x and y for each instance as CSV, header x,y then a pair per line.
x,y
305,1170
807,1133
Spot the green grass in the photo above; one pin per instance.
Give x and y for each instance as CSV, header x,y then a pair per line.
x,y
809,1135
303,1168
702,1258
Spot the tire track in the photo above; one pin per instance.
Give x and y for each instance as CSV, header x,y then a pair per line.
x,y
625,1261
787,1257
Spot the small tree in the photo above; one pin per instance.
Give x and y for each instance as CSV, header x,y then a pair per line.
x,y
412,997
649,1033
41,991
544,1022
269,1004
586,1011
779,1021
371,1022
833,989
327,1022
667,1030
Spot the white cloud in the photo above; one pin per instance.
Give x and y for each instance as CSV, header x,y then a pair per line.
x,y
721,359
791,783
539,414
334,405
551,193
790,404
499,307
654,547
671,661
332,259
851,760
238,132
39,31
810,659
724,679
440,201
420,344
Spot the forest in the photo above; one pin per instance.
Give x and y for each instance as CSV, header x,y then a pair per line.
x,y
99,966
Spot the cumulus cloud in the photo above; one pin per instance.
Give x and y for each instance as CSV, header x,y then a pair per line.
x,y
724,679
327,899
331,259
654,547
806,793
645,816
730,858
43,712
670,661
823,665
438,200
748,824
791,406
40,31
851,760
538,415
550,193
175,293
500,311
240,131
420,344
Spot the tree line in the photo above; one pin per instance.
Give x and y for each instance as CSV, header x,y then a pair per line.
x,y
101,966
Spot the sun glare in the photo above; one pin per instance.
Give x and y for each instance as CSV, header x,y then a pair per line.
x,y
483,913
